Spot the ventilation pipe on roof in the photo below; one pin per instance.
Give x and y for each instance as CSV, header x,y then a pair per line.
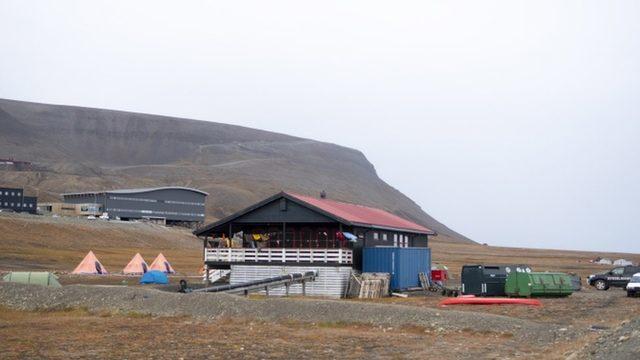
x,y
323,194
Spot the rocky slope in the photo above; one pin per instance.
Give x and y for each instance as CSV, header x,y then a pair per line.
x,y
76,149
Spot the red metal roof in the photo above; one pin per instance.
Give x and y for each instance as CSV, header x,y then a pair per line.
x,y
364,215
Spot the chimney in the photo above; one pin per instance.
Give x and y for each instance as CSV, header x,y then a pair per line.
x,y
323,194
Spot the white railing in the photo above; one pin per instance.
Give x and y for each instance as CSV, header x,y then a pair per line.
x,y
215,275
279,255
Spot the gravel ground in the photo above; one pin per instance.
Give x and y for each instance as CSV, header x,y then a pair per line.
x,y
622,343
212,306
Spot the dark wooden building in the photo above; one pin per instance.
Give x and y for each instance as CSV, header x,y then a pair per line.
x,y
298,230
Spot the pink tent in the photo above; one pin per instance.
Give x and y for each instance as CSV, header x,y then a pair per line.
x,y
136,266
161,264
90,265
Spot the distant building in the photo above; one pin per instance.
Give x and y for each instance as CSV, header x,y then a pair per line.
x,y
15,165
170,205
15,200
64,209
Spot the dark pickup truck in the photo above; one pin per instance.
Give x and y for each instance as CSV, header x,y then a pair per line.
x,y
616,277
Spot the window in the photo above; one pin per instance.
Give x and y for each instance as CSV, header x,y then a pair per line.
x,y
182,202
13,204
375,236
617,271
131,199
156,212
384,236
13,193
395,240
18,194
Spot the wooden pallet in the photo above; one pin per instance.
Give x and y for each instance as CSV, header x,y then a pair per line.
x,y
369,285
424,281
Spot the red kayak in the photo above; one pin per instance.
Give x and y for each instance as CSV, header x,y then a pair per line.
x,y
472,300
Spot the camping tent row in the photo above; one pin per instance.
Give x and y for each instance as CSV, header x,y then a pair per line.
x,y
137,266
619,262
49,279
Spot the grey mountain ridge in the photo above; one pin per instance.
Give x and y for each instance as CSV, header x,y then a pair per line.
x,y
79,149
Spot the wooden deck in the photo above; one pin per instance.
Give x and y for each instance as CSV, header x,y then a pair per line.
x,y
279,255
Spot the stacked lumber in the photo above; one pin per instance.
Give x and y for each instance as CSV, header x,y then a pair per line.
x,y
369,285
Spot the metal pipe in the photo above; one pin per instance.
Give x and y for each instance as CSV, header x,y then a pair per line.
x,y
289,278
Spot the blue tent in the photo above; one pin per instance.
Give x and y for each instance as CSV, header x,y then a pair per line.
x,y
154,277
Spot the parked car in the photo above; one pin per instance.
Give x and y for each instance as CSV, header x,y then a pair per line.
x,y
616,277
633,287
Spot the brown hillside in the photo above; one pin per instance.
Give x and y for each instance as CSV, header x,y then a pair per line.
x,y
44,243
76,149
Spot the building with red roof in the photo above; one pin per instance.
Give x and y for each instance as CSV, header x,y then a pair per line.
x,y
359,215
289,228
292,233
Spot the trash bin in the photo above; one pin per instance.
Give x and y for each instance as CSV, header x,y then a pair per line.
x,y
537,284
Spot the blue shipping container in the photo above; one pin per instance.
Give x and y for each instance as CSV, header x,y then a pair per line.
x,y
404,264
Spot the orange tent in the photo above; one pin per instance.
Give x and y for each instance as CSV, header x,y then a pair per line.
x,y
161,264
136,266
90,265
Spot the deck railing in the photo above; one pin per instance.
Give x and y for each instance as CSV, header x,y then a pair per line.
x,y
278,255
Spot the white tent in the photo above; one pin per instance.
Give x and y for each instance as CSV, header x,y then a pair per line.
x,y
622,262
605,262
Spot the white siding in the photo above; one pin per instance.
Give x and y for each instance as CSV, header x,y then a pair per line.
x,y
330,282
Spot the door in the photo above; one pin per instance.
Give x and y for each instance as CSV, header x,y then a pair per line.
x,y
494,278
357,250
471,280
616,277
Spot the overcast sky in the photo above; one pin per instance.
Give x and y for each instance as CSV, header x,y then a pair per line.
x,y
514,122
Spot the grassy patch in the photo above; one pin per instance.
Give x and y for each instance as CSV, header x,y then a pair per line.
x,y
137,315
335,325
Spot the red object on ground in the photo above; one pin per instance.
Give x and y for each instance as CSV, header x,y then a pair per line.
x,y
359,214
439,275
488,301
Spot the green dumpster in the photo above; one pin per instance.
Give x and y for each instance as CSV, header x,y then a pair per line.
x,y
536,284
38,278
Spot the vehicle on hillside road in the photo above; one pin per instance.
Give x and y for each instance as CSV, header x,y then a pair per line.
x,y
616,277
